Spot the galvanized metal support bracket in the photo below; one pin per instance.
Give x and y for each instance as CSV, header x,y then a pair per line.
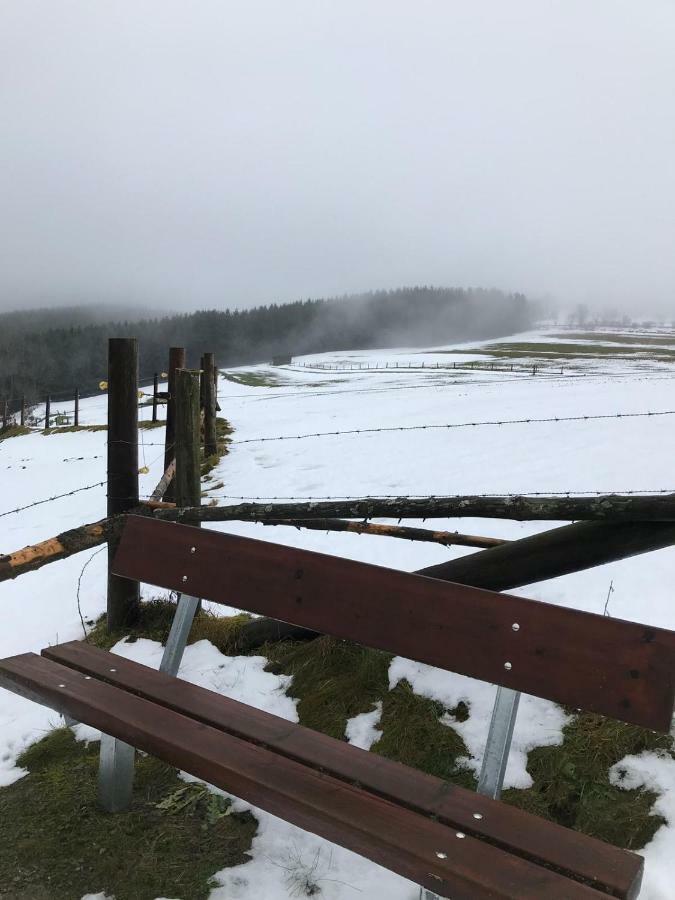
x,y
180,631
498,745
116,765
496,755
115,774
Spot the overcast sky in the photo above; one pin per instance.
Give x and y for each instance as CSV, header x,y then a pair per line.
x,y
211,153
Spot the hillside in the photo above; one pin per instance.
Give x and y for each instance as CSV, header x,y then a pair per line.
x,y
55,352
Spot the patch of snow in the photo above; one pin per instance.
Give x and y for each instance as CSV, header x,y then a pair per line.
x,y
362,730
653,772
289,863
539,722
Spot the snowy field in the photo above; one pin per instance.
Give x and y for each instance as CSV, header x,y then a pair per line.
x,y
582,456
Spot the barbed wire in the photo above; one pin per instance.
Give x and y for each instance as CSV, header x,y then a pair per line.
x,y
501,496
492,422
427,427
19,509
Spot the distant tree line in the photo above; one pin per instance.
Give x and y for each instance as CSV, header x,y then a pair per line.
x,y
55,351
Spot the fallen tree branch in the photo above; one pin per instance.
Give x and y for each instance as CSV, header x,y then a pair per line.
x,y
606,508
447,538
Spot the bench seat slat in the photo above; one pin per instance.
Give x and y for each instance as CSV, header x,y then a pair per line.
x,y
397,838
614,870
601,664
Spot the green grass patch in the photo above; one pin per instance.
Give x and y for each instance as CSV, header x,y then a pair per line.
x,y
13,431
55,842
66,429
572,787
223,437
412,733
333,680
154,623
665,340
555,351
254,379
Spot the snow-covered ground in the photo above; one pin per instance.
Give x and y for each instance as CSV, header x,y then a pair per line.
x,y
599,455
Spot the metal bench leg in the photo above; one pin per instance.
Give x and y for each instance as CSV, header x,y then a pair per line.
x,y
116,766
496,754
180,631
498,743
115,774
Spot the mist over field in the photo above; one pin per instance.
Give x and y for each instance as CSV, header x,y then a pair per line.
x,y
186,156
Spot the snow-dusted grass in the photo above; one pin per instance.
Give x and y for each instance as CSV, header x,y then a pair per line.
x,y
607,455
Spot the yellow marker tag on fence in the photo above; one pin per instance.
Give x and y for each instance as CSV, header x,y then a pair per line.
x,y
103,385
140,394
144,470
165,375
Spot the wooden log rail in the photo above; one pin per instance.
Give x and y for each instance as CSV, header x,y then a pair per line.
x,y
75,540
560,551
446,538
604,508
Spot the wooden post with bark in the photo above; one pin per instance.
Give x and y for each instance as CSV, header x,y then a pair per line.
x,y
23,411
176,361
123,594
48,410
187,479
155,392
209,402
76,418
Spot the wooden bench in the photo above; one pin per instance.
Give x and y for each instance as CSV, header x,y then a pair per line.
x,y
453,842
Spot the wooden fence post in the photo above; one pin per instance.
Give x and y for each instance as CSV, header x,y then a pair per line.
x,y
209,403
176,361
123,594
155,391
23,411
48,410
188,469
76,418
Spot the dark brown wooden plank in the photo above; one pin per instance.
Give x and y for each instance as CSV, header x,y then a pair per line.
x,y
601,664
401,840
616,871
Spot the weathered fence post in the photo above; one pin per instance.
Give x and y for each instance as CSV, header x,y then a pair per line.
x,y
176,361
123,594
76,418
23,411
48,410
188,491
155,391
209,403
116,761
188,474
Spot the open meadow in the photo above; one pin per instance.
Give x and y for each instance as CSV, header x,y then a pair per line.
x,y
555,411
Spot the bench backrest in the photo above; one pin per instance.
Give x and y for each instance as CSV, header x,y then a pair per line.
x,y
605,665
